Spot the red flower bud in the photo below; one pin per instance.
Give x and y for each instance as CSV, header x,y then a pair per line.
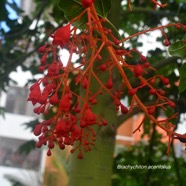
x,y
78,109
124,109
166,42
116,41
153,91
109,84
138,70
132,91
87,3
37,129
143,58
37,110
80,156
151,110
161,92
104,122
50,144
164,80
42,49
43,59
39,144
117,102
85,83
103,67
171,104
61,146
146,65
41,68
49,152
82,123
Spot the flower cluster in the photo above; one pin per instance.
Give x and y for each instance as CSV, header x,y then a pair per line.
x,y
73,120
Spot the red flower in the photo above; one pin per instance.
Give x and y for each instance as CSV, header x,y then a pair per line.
x,y
54,99
37,129
43,98
76,133
90,117
35,93
62,36
64,104
61,128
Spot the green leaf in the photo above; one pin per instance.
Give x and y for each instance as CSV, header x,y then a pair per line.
x,y
178,49
72,8
4,12
31,124
182,85
103,7
2,112
15,7
182,71
27,147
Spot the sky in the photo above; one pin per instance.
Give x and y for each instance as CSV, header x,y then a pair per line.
x,y
12,13
17,76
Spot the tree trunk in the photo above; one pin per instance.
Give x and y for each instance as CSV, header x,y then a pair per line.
x,y
95,168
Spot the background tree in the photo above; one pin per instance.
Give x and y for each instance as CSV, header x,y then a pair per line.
x,y
28,39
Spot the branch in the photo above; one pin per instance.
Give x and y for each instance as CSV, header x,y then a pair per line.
x,y
136,110
137,10
165,62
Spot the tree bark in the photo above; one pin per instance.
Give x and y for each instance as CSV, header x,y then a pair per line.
x,y
96,166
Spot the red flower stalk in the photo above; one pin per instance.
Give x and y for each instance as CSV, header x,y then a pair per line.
x,y
73,118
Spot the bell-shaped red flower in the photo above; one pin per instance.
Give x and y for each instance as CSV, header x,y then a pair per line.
x,y
76,133
35,93
90,117
64,104
62,36
54,99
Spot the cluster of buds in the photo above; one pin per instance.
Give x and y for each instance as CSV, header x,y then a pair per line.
x,y
73,120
